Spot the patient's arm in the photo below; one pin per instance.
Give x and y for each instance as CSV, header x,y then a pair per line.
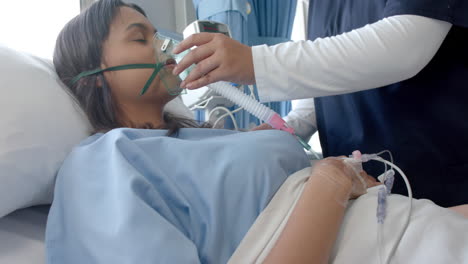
x,y
461,209
311,230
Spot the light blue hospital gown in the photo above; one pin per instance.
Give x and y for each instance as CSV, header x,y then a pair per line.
x,y
137,196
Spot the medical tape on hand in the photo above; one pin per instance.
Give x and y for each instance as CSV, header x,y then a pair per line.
x,y
340,188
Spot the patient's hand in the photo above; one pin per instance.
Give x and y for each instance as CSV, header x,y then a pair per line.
x,y
343,174
461,209
263,126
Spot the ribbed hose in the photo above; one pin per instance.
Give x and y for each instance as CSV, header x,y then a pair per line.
x,y
243,100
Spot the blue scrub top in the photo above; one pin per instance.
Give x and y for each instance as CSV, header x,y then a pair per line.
x,y
423,121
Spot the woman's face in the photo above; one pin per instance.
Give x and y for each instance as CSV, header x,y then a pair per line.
x,y
130,41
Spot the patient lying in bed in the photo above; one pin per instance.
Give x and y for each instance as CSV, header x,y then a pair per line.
x,y
150,187
139,196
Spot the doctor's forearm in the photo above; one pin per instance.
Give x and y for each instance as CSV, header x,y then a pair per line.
x,y
388,51
312,228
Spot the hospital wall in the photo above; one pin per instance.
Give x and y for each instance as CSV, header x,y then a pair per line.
x,y
173,15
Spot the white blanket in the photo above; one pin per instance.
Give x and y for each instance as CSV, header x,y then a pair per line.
x,y
434,234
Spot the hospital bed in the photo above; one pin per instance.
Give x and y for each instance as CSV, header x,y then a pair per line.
x,y
22,236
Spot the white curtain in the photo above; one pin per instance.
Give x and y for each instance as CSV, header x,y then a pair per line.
x,y
299,31
32,26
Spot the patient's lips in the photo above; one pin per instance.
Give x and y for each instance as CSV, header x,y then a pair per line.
x,y
170,62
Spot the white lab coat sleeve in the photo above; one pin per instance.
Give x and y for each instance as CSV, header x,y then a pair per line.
x,y
302,118
385,52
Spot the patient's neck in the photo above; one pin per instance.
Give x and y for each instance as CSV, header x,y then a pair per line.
x,y
142,116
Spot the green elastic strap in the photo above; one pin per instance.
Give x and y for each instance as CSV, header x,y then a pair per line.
x,y
157,67
150,80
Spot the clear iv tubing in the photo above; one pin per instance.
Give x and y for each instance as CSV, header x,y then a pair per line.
x,y
254,107
410,200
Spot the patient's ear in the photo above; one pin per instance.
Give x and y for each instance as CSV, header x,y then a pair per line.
x,y
100,77
99,83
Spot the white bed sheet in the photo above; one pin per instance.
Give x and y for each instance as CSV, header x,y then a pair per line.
x,y
22,236
435,235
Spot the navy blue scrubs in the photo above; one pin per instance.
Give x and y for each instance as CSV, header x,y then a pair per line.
x,y
423,121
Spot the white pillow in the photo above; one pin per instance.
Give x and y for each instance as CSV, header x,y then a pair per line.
x,y
39,125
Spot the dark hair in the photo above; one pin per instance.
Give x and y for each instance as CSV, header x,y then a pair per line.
x,y
78,49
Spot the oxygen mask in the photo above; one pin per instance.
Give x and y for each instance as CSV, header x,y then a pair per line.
x,y
164,54
165,61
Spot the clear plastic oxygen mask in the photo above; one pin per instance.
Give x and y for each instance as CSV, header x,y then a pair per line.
x,y
165,61
164,55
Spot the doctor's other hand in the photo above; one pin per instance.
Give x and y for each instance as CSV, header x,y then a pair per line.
x,y
218,58
264,126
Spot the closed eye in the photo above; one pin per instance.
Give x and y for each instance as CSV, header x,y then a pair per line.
x,y
140,40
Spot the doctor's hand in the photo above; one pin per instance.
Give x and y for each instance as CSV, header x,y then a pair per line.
x,y
264,126
218,58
